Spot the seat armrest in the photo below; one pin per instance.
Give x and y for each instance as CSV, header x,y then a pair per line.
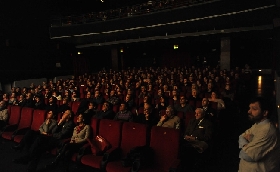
x,y
175,166
10,128
110,155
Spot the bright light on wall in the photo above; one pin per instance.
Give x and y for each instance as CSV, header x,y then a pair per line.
x,y
176,47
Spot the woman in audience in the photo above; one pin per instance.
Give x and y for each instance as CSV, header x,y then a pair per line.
x,y
12,99
214,98
80,135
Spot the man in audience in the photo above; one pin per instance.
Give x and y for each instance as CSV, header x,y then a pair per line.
x,y
63,130
169,119
147,117
124,114
52,106
113,99
3,114
260,144
97,99
29,101
105,113
210,113
183,106
39,103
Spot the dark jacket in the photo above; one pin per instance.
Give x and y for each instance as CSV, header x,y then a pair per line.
x,y
202,130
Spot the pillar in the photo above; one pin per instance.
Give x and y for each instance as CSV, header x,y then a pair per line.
x,y
225,53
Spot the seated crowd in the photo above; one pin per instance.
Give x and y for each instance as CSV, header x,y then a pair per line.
x,y
188,99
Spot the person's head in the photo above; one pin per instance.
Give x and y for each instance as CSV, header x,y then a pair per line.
x,y
147,108
50,114
159,92
96,94
105,106
52,100
80,119
183,100
123,106
258,110
112,93
174,93
194,92
28,96
214,95
2,105
227,87
67,115
91,105
127,97
37,98
169,111
199,113
209,86
205,102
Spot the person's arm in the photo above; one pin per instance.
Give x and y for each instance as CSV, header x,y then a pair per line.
x,y
261,144
177,123
6,115
208,132
42,128
160,123
67,129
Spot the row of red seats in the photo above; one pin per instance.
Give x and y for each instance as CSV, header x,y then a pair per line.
x,y
123,136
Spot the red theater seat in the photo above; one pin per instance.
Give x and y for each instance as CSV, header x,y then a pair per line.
x,y
133,134
75,106
111,131
38,119
165,143
14,117
24,123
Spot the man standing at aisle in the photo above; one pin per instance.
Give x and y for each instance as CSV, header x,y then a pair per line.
x,y
260,144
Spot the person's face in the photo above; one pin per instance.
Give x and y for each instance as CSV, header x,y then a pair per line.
x,y
88,95
96,94
122,107
182,100
47,91
255,113
174,93
80,119
127,97
198,114
50,115
227,87
209,85
112,93
161,100
50,100
159,92
213,95
168,112
64,101
194,92
90,106
105,106
204,102
2,104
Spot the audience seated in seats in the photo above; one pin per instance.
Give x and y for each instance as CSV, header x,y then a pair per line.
x,y
196,139
183,106
84,103
162,104
81,133
158,95
210,113
89,112
124,114
47,129
63,130
143,92
105,113
147,117
67,94
113,99
29,101
214,98
4,116
47,94
5,98
146,99
12,99
74,96
169,119
56,95
64,106
97,99
39,103
129,101
194,97
175,97
21,101
52,106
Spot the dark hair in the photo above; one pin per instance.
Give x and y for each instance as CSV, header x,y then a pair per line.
x,y
262,103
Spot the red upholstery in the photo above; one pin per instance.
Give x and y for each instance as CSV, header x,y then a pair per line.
x,y
189,116
38,119
111,131
198,104
75,106
116,108
14,115
94,126
133,134
165,143
25,122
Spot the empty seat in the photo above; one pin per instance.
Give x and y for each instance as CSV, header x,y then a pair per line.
x,y
24,123
165,144
38,119
14,117
133,134
111,131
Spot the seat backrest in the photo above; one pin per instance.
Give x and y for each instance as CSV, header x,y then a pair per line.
x,y
165,143
94,126
133,134
111,131
25,117
75,106
14,115
38,119
188,117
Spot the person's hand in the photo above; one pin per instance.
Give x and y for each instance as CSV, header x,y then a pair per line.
x,y
47,121
44,133
189,138
162,118
248,137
